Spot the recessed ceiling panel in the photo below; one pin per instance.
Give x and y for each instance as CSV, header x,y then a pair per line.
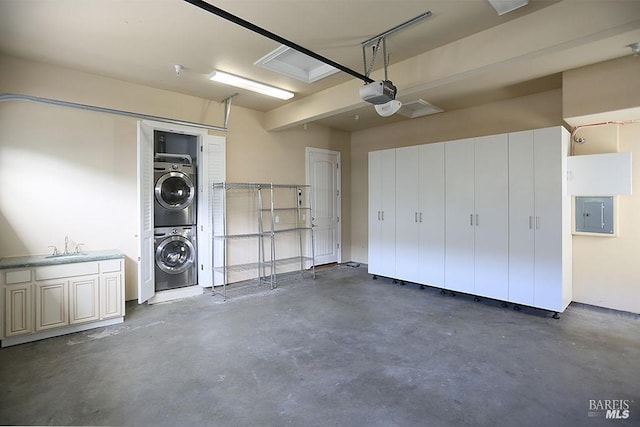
x,y
290,62
418,108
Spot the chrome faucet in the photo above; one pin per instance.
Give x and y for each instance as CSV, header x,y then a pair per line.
x,y
66,245
55,250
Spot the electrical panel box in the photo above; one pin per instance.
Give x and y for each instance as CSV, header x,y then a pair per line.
x,y
594,215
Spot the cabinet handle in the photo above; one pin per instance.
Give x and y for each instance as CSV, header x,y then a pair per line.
x,y
530,222
421,217
382,215
602,215
471,220
477,220
415,217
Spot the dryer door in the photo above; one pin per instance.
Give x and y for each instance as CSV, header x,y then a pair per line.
x,y
175,191
175,255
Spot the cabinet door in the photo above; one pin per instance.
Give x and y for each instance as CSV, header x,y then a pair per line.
x,y
459,240
51,304
407,206
111,296
388,205
83,299
521,218
491,220
548,156
375,196
431,215
382,167
18,309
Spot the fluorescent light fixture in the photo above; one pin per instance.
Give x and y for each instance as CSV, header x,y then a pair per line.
x,y
506,6
241,82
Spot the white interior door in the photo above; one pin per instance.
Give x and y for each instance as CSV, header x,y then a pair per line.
x,y
146,279
323,175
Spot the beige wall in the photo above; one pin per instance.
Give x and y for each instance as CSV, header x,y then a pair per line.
x,y
71,172
530,112
602,88
606,271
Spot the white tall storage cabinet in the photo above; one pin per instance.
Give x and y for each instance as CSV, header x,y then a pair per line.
x,y
477,216
487,216
382,211
539,219
420,214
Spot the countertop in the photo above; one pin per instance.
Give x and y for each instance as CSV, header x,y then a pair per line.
x,y
42,260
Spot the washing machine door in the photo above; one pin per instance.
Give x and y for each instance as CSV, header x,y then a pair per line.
x,y
175,254
174,191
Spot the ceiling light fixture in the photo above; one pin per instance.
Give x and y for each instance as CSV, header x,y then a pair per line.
x,y
506,6
243,83
635,48
389,108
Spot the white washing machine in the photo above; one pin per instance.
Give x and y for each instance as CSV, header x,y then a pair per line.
x,y
175,194
175,257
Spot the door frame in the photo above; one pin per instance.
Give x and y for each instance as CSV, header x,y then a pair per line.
x,y
145,183
307,152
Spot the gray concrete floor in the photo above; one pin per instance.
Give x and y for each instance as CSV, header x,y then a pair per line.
x,y
343,350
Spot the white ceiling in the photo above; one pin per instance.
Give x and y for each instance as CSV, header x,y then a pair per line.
x,y
141,40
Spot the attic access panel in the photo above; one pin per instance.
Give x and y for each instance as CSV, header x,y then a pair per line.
x,y
594,215
292,63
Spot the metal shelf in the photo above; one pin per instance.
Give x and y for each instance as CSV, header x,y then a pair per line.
x,y
267,263
285,209
238,236
238,267
288,230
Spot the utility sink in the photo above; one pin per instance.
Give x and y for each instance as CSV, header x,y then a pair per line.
x,y
67,256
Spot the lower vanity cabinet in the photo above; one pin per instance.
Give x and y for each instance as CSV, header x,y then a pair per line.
x,y
45,301
18,309
52,306
84,299
111,295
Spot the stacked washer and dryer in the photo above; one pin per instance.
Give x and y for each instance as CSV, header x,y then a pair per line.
x,y
175,210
